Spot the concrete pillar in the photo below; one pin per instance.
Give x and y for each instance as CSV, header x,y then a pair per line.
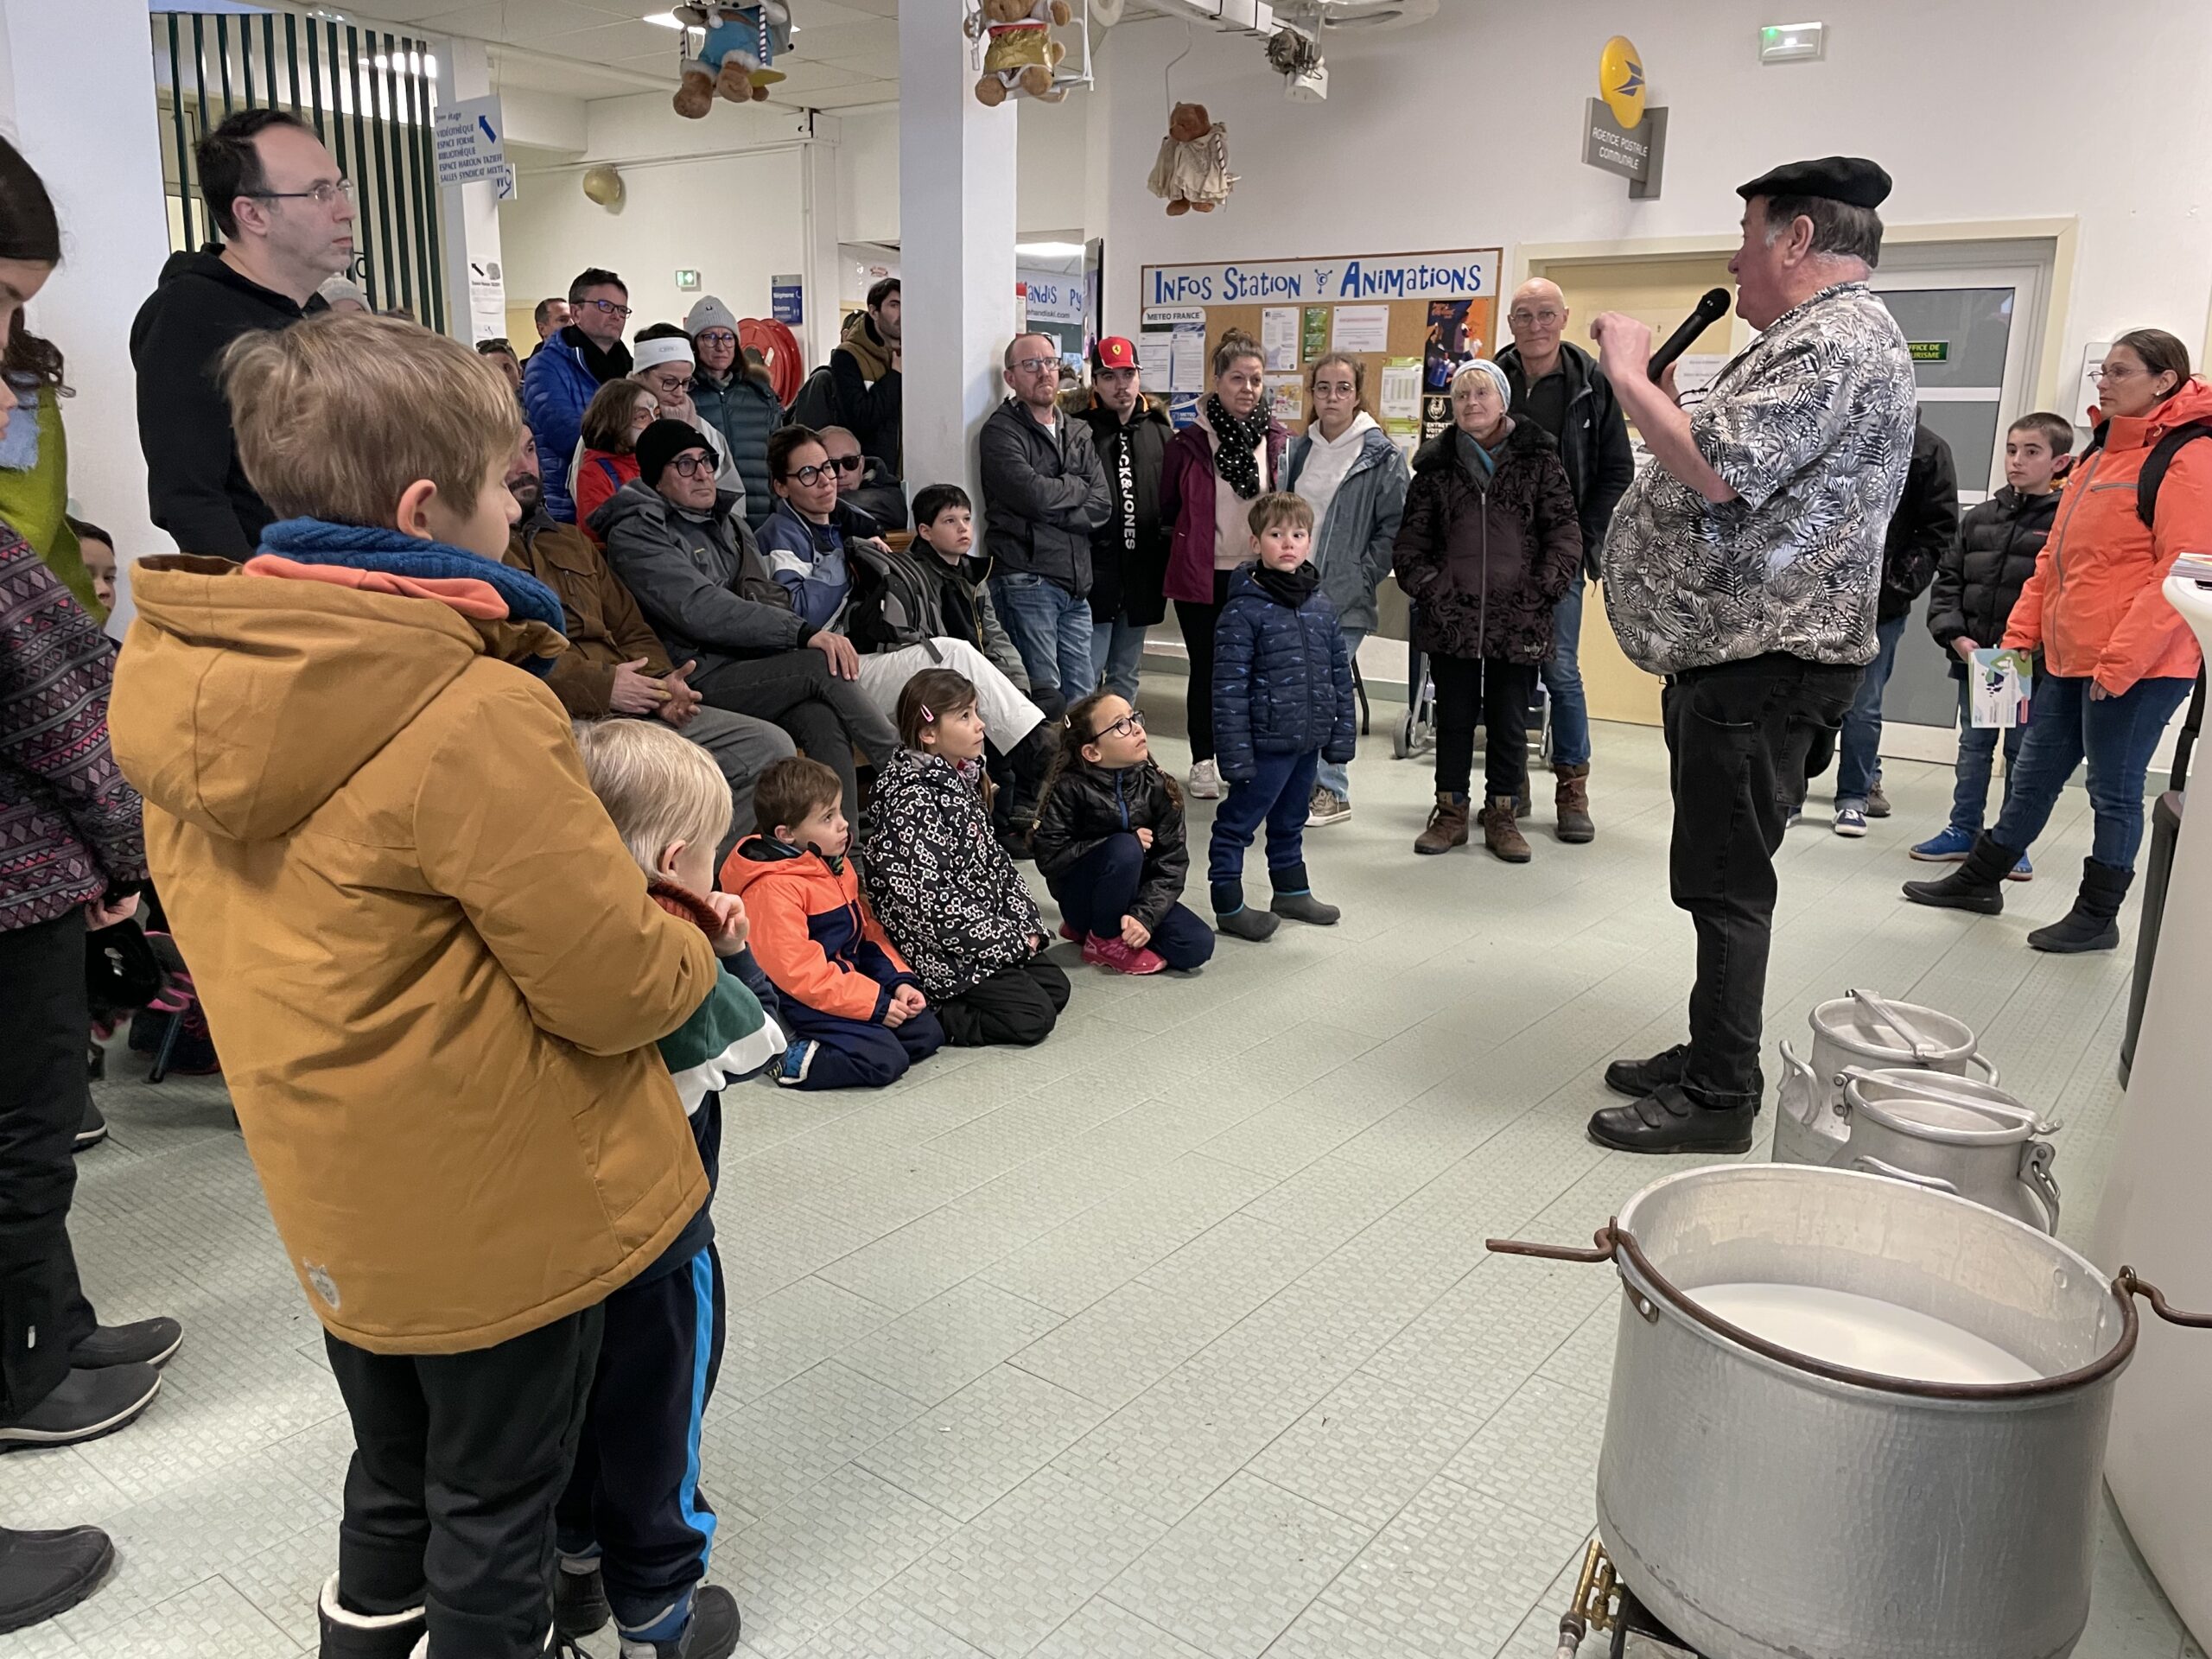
x,y
77,98
956,244
818,194
468,214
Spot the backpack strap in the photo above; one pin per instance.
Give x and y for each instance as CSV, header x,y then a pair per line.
x,y
2154,466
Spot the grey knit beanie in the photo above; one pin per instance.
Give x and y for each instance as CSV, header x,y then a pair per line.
x,y
706,313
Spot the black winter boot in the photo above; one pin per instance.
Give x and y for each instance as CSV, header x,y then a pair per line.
x,y
348,1635
42,1573
1977,885
1293,897
2094,923
1235,918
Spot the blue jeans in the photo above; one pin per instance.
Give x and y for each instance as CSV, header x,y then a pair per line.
x,y
1051,627
1329,775
1278,793
1117,655
1858,764
1562,673
2116,735
1977,759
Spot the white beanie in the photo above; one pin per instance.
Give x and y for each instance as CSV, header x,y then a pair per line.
x,y
662,348
1484,366
706,313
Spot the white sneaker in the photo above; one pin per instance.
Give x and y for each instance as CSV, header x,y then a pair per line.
x,y
1205,781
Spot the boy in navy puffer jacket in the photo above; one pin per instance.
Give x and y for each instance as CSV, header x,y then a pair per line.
x,y
1282,703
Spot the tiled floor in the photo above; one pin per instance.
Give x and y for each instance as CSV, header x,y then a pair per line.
x,y
1172,1337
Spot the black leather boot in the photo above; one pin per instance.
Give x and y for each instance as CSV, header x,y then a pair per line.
x,y
1977,885
2094,923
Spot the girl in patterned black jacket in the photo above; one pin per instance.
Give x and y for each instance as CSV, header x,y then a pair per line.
x,y
941,886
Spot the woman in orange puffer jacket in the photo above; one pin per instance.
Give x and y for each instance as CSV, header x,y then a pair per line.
x,y
2117,659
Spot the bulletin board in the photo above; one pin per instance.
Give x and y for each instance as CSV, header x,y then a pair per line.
x,y
1423,312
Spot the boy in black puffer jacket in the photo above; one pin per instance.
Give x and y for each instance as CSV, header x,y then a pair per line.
x,y
1977,582
1282,701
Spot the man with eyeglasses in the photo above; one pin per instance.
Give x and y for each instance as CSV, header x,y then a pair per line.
x,y
1561,388
1044,492
286,218
733,394
566,373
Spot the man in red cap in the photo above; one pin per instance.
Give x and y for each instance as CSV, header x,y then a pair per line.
x,y
1128,553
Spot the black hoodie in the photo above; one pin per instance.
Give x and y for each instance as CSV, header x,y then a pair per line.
x,y
1128,552
196,488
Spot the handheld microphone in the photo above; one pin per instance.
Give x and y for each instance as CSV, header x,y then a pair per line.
x,y
1709,309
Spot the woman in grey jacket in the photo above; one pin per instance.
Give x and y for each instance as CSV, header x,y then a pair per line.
x,y
1354,478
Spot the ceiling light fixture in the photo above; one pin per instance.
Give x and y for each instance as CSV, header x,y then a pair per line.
x,y
663,20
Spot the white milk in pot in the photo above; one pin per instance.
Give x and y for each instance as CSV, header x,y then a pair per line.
x,y
1866,1334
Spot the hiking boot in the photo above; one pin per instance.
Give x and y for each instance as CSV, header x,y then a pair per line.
x,y
84,1405
1293,898
1326,807
1877,804
1669,1121
146,1342
1977,885
1571,798
1121,957
348,1635
42,1573
1500,834
580,1607
1448,826
1636,1078
2094,923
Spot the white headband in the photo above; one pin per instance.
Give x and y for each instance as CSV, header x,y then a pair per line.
x,y
665,349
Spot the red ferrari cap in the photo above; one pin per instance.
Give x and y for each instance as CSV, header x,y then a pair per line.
x,y
1115,352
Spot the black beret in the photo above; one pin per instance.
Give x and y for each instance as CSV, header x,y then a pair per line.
x,y
661,442
1852,179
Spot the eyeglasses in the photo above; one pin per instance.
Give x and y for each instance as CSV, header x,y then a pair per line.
x,y
1334,388
1547,318
848,463
714,337
813,474
2116,372
322,193
1128,723
606,307
694,465
1034,365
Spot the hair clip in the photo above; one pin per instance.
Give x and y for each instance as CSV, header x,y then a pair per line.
x,y
927,715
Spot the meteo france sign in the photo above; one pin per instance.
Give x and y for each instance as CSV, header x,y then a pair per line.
x,y
1469,273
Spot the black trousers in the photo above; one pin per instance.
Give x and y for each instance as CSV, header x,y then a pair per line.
x,y
1501,691
1018,1005
458,1459
43,1023
1732,732
1197,622
825,716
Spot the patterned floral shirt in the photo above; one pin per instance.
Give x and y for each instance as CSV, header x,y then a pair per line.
x,y
1811,424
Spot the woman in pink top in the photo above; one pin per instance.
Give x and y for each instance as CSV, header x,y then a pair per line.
x,y
1213,472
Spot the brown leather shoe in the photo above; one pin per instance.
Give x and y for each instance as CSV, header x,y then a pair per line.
x,y
1573,801
1500,834
1448,826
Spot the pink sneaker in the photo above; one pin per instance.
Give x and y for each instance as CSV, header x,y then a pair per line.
x,y
1122,957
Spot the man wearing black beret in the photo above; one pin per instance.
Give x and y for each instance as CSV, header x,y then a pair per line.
x,y
1744,564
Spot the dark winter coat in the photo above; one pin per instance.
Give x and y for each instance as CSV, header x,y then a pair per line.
x,y
1188,497
1924,528
1128,552
1979,578
1281,679
1483,564
868,394
745,411
964,598
1593,444
1044,492
1086,804
943,888
701,582
196,488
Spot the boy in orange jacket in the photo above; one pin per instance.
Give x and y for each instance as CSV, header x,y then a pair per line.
x,y
855,1012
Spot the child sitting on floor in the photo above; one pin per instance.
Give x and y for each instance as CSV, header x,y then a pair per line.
x,y
855,1009
1111,845
634,1529
949,895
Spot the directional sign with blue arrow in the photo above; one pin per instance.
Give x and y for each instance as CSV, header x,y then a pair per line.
x,y
469,142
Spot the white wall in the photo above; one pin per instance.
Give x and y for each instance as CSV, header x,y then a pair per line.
x,y
103,172
1465,133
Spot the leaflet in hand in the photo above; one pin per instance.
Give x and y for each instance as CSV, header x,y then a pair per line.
x,y
1999,682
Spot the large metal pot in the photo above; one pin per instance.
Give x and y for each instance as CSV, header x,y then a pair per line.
x,y
1954,1135
1766,1505
1873,1034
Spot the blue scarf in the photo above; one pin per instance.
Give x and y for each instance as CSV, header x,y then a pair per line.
x,y
372,547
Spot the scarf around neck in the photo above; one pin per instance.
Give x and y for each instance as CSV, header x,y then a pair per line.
x,y
373,547
606,363
1237,441
1290,588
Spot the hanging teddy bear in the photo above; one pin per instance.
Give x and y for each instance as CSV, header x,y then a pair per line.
x,y
1192,171
1022,53
735,63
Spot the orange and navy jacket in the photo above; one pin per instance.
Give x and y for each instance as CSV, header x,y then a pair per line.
x,y
812,931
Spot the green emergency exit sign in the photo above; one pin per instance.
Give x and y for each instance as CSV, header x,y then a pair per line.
x,y
1930,350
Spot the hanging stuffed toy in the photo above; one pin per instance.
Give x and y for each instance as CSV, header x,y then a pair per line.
x,y
1192,171
737,58
1021,53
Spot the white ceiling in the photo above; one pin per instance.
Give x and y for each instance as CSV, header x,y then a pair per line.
x,y
846,53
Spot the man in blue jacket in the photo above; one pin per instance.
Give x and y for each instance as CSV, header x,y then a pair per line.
x,y
566,372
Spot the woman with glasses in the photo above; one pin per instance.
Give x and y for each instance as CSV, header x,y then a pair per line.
x,y
733,397
2118,660
607,458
